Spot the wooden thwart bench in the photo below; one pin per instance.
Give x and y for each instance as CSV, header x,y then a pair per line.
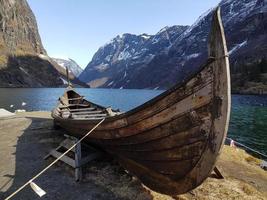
x,y
77,98
84,112
75,109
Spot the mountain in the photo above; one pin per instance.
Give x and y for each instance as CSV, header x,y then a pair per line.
x,y
23,59
159,61
62,74
115,63
70,64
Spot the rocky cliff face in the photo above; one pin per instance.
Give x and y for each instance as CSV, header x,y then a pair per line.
x,y
175,52
23,59
18,29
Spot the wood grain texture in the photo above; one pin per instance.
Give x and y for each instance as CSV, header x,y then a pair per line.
x,y
171,143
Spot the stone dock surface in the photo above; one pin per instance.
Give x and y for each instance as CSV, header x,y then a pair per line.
x,y
26,138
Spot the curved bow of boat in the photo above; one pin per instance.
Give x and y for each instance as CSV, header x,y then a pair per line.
x,y
190,155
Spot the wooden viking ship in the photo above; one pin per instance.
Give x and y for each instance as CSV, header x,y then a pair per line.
x,y
171,143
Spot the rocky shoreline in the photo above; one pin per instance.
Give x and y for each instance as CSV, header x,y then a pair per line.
x,y
26,138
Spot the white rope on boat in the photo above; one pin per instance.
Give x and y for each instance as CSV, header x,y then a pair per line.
x,y
40,173
246,147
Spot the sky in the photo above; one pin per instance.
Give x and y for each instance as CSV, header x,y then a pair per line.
x,y
77,29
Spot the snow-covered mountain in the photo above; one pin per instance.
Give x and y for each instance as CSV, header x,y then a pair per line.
x,y
115,62
159,61
70,64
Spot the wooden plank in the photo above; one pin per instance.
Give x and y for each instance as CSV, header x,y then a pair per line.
x,y
172,169
88,115
63,106
189,89
167,142
181,107
89,112
82,109
75,109
84,112
176,125
48,155
201,98
88,118
68,143
65,158
82,105
77,98
175,153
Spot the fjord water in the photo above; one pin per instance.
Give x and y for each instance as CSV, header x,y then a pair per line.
x,y
248,124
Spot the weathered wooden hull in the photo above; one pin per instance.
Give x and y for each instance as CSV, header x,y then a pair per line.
x,y
171,143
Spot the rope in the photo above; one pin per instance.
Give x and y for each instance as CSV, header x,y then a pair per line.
x,y
40,173
246,147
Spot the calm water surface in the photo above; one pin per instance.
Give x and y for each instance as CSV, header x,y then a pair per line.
x,y
248,123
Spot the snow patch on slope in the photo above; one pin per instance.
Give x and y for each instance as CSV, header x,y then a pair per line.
x,y
124,55
194,55
64,81
202,17
110,83
238,46
238,10
145,36
125,74
44,57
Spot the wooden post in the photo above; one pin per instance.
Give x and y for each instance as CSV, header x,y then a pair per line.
x,y
218,173
78,158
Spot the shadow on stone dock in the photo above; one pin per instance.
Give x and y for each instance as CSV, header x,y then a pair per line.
x,y
27,137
